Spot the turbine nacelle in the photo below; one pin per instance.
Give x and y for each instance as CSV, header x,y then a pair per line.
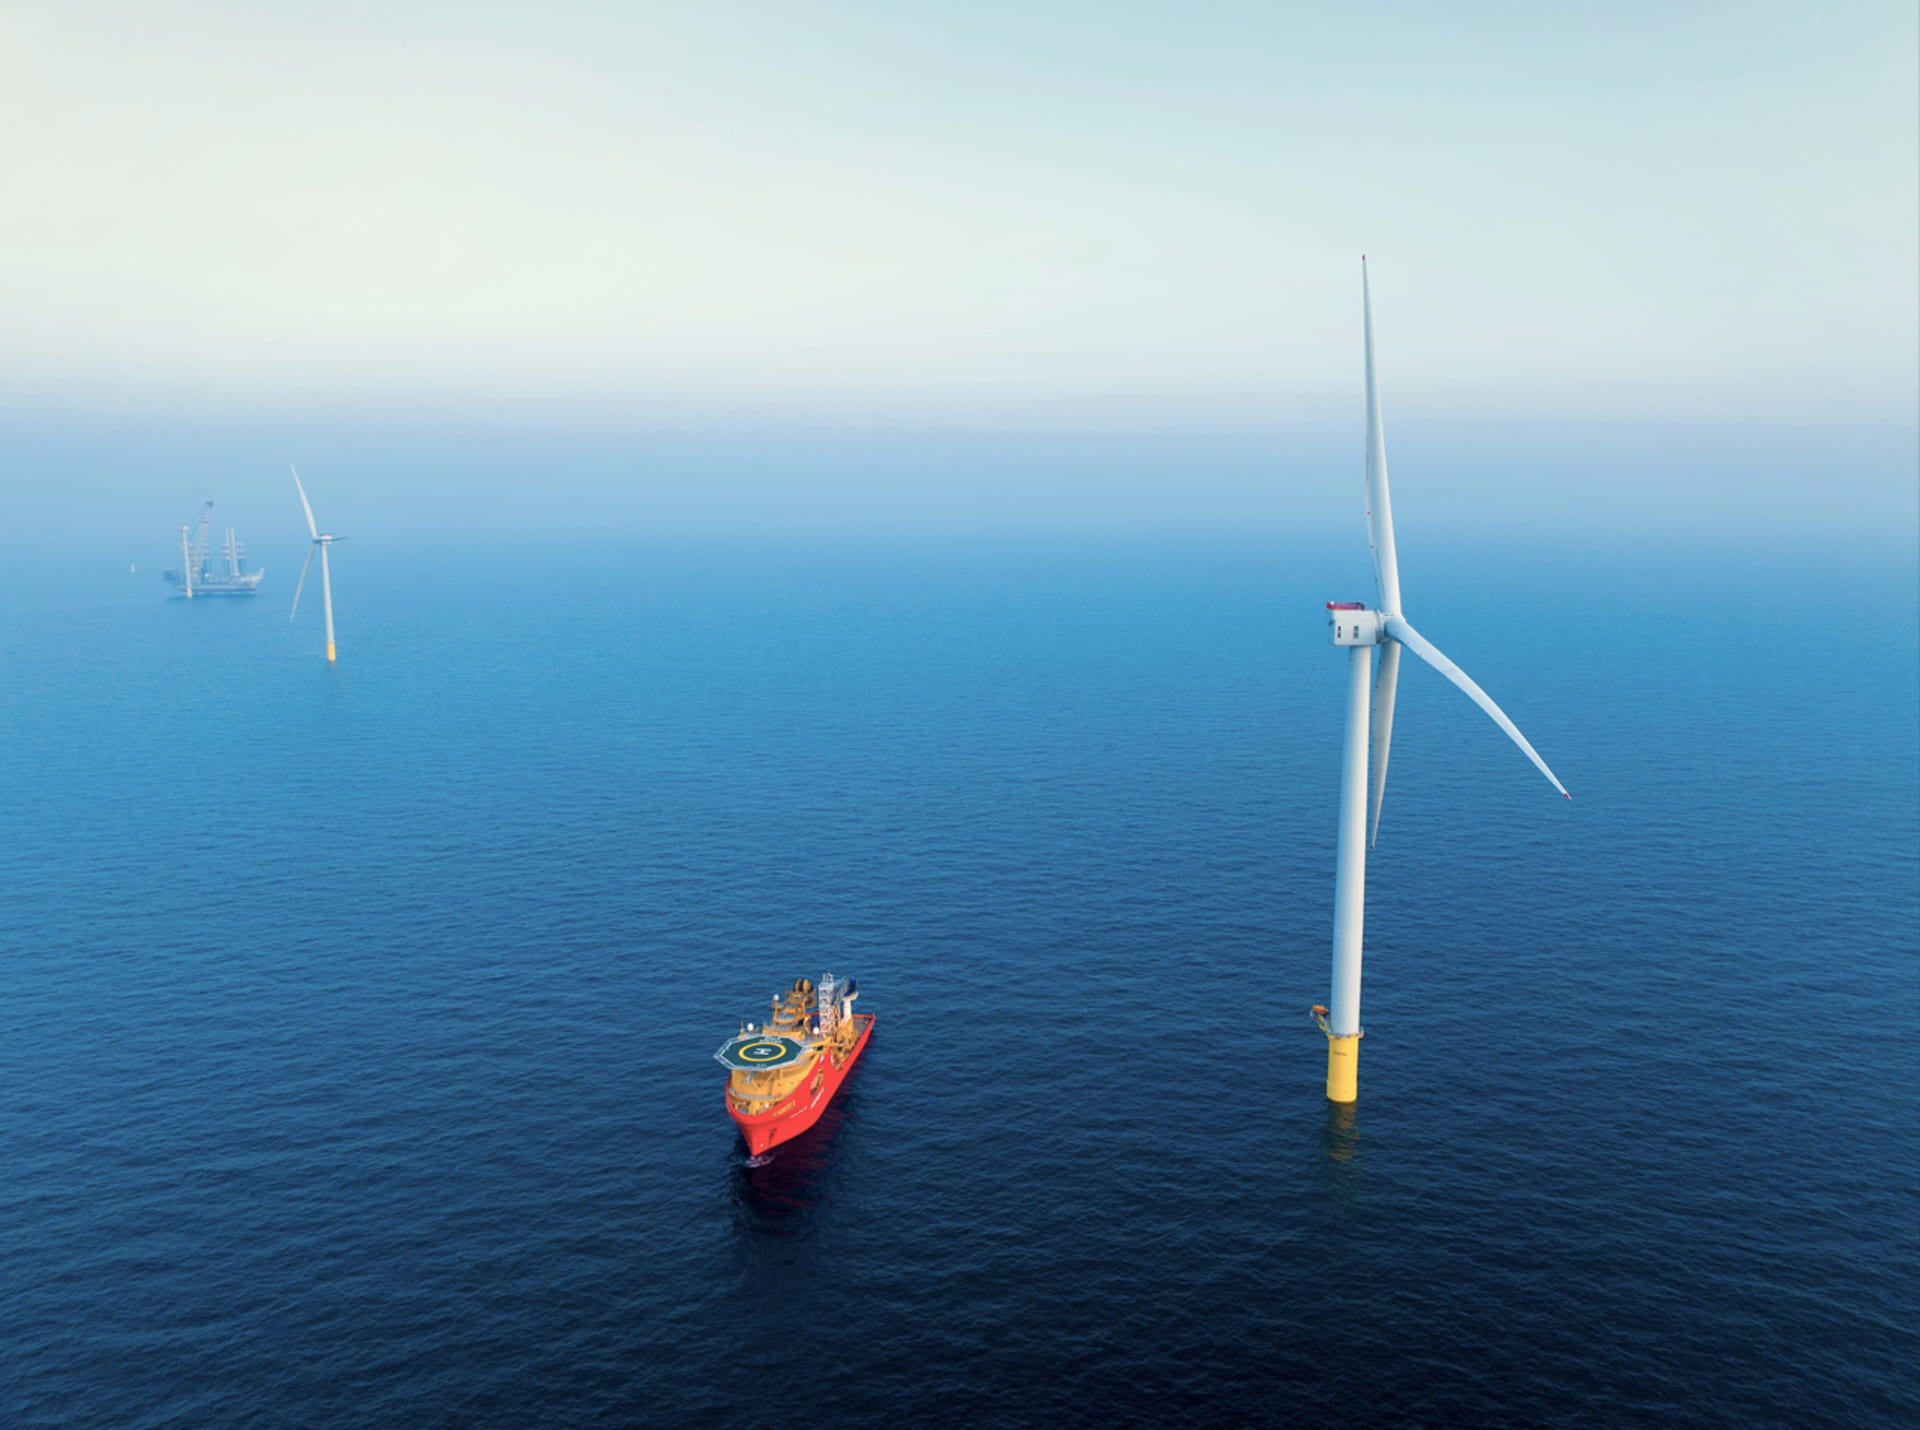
x,y
1354,624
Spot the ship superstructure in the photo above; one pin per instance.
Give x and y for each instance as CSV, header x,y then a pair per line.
x,y
781,1074
201,573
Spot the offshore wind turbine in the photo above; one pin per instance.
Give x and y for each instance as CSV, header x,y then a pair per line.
x,y
321,541
1370,724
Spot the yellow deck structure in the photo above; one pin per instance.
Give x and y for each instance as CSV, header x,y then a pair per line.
x,y
769,1062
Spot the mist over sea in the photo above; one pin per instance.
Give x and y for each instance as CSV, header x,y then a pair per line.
x,y
356,1023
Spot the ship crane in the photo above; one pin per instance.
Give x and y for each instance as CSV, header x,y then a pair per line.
x,y
200,537
193,551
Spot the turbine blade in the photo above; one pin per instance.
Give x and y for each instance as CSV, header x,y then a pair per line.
x,y
1386,563
303,583
1385,681
1427,651
305,505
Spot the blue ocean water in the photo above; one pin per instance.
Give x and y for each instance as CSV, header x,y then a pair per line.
x,y
355,1023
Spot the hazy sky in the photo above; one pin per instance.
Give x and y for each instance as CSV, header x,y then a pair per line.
x,y
1082,216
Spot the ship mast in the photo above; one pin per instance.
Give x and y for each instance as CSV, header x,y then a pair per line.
x,y
829,1009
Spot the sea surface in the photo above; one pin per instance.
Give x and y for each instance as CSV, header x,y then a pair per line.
x,y
356,1023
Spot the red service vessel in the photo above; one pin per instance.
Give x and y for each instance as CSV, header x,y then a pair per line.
x,y
782,1074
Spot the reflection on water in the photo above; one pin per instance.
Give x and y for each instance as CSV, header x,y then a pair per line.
x,y
779,1251
1340,1172
774,1192
1339,1134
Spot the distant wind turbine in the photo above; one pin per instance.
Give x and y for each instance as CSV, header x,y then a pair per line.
x,y
321,541
1370,709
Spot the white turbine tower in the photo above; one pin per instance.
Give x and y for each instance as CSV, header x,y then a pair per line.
x,y
321,541
1370,714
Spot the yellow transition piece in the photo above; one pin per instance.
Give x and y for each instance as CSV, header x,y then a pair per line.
x,y
1343,1068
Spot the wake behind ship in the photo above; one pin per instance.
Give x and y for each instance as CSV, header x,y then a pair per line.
x,y
782,1074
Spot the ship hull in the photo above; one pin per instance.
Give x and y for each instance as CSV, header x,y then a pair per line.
x,y
786,1120
247,585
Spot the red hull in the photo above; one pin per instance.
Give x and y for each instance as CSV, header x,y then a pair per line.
x,y
785,1121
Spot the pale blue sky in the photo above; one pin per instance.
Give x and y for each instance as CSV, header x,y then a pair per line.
x,y
1066,216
